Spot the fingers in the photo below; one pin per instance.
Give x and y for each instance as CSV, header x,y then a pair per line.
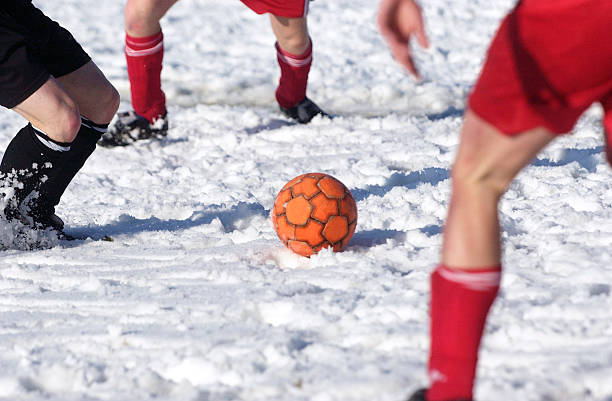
x,y
421,35
400,49
386,15
404,57
386,10
410,18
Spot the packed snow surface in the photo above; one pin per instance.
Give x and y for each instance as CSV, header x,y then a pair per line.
x,y
197,299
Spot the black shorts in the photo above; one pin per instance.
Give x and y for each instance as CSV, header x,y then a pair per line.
x,y
32,48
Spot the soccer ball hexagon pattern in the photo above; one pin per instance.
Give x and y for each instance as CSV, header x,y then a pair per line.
x,y
314,211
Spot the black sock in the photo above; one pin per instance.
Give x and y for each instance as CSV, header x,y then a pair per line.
x,y
31,159
81,148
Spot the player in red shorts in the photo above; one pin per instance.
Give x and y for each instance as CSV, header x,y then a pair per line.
x,y
144,54
549,61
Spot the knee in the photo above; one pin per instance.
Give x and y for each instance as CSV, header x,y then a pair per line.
x,y
108,104
136,25
142,16
113,104
65,124
102,103
475,179
291,34
294,42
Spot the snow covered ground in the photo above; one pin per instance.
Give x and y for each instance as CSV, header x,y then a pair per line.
x,y
197,299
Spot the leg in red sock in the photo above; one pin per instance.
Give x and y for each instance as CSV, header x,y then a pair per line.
x,y
144,52
144,58
294,55
460,302
486,163
294,76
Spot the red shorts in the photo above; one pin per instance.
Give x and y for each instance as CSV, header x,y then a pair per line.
x,y
280,8
549,61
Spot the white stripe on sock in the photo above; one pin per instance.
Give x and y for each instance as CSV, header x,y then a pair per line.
x,y
50,144
141,53
149,43
93,127
474,280
294,62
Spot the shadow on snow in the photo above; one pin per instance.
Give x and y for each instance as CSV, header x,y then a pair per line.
x,y
272,125
229,217
431,175
450,112
584,157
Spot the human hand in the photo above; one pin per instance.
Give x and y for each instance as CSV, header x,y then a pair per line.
x,y
398,21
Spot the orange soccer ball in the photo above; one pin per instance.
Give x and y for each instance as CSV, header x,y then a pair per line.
x,y
314,211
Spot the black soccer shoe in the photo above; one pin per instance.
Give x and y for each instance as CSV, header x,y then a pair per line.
x,y
131,127
419,395
52,221
42,216
39,220
304,111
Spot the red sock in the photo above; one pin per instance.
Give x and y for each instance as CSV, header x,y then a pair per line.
x,y
144,64
294,76
460,301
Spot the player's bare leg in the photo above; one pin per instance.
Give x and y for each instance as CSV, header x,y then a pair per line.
x,y
57,106
466,283
53,111
291,33
294,53
142,16
487,161
96,98
67,116
144,52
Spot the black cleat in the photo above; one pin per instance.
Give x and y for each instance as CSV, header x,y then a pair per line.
x,y
304,111
49,222
37,220
419,395
52,221
131,127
